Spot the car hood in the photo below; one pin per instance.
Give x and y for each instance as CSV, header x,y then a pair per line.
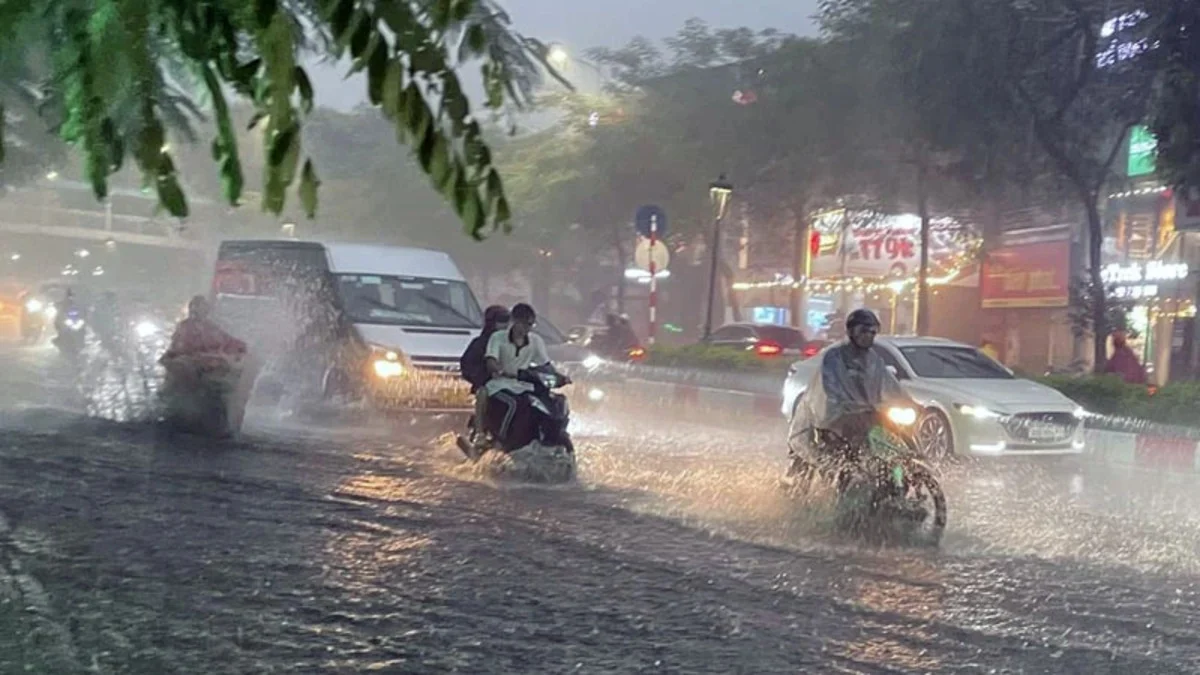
x,y
1011,396
419,343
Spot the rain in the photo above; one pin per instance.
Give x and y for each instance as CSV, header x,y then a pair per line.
x,y
255,294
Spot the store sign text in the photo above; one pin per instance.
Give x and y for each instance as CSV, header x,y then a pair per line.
x,y
1131,281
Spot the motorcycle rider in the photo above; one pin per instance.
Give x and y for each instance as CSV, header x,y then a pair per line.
x,y
508,353
852,384
199,336
473,365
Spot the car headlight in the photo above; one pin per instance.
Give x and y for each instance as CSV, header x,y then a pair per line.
x,y
145,329
34,306
977,411
1080,413
902,416
592,362
595,395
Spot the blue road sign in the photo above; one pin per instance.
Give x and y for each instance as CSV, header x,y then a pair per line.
x,y
641,220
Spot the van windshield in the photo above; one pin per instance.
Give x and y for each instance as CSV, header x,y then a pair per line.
x,y
408,301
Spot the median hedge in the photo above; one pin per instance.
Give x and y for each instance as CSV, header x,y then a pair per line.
x,y
1177,403
705,357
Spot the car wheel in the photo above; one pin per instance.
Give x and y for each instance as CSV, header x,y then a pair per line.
x,y
934,437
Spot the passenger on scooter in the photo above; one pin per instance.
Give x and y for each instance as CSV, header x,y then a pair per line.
x,y
473,364
511,351
845,394
62,308
201,340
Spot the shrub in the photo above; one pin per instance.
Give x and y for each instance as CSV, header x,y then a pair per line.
x,y
705,357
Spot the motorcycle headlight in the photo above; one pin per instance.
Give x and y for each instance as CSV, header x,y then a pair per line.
x,y
34,306
902,416
978,412
145,329
592,362
595,395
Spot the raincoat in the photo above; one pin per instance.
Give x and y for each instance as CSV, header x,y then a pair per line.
x,y
1124,362
195,337
843,390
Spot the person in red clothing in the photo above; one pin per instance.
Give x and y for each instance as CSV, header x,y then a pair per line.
x,y
200,340
1124,362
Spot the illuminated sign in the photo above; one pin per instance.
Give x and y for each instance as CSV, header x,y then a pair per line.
x,y
1130,282
1117,50
1142,147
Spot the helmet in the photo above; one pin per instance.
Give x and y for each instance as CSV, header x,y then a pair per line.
x,y
860,317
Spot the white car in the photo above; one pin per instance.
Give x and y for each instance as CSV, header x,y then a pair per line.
x,y
971,405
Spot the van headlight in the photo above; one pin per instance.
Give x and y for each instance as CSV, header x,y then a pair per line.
x,y
387,363
902,416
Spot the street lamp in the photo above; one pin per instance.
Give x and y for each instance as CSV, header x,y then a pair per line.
x,y
557,56
719,192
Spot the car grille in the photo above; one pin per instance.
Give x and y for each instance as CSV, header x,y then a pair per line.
x,y
1051,427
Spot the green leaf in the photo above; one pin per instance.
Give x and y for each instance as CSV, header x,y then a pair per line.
x,y
476,40
462,9
308,188
503,216
360,37
439,163
264,12
304,85
393,89
339,20
285,154
3,126
376,71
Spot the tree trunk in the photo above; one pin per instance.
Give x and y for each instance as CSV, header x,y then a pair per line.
x,y
622,265
1099,301
923,273
797,294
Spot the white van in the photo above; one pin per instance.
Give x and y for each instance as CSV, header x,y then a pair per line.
x,y
386,322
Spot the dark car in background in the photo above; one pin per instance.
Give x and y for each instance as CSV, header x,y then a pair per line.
x,y
764,340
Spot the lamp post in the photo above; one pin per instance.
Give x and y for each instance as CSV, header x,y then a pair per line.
x,y
719,192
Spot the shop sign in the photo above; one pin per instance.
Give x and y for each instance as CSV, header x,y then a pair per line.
x,y
1142,148
1133,281
1027,275
878,247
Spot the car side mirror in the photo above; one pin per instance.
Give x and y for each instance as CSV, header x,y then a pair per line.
x,y
892,370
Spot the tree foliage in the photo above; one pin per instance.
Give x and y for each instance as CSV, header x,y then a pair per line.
x,y
118,73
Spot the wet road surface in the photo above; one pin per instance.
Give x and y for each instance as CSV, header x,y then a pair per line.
x,y
371,550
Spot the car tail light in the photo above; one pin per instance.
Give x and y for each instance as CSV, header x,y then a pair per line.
x,y
768,348
810,351
637,354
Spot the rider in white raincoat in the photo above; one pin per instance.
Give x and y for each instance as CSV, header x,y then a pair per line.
x,y
851,385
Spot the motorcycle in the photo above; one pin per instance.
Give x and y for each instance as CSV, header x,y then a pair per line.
x,y
885,490
532,444
71,333
35,314
206,394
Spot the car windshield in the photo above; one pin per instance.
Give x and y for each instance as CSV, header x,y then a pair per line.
x,y
408,301
953,363
788,338
549,333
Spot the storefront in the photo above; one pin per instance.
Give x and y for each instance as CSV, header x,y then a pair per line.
x,y
1156,297
859,259
1024,292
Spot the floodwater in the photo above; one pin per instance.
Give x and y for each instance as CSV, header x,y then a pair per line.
x,y
370,549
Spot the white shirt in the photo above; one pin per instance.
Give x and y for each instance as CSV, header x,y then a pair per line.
x,y
513,360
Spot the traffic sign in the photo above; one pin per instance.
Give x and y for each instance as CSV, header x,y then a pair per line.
x,y
644,254
650,215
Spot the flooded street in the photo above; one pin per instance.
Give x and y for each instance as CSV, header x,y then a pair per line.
x,y
299,549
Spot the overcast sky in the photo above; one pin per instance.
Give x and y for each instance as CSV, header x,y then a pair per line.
x,y
580,24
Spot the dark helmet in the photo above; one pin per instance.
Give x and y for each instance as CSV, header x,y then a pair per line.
x,y
496,314
861,317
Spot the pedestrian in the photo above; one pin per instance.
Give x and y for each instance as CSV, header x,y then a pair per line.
x,y
1124,362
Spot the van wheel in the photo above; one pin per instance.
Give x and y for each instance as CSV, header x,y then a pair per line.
x,y
337,384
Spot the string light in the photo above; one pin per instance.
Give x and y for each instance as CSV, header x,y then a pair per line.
x,y
1157,189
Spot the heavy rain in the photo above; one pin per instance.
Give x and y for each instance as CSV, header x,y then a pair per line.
x,y
829,336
